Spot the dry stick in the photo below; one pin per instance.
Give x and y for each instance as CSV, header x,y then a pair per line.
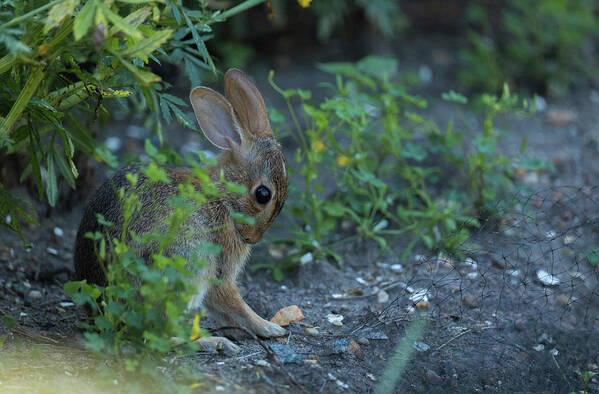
x,y
461,334
23,331
269,351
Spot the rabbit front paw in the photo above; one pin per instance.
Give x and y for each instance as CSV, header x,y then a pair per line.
x,y
217,345
267,329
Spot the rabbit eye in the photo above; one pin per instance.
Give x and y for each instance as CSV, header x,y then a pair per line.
x,y
262,194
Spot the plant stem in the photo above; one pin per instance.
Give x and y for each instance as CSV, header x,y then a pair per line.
x,y
18,19
240,8
36,76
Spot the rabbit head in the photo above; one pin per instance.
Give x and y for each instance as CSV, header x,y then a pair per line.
x,y
239,125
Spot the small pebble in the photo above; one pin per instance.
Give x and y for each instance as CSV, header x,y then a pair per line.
x,y
35,294
335,319
382,297
340,345
361,281
354,349
307,258
58,232
432,377
286,354
470,301
569,239
425,73
312,331
113,143
419,295
563,300
381,225
52,251
363,341
66,304
263,363
539,347
423,304
397,268
421,346
499,263
514,273
547,279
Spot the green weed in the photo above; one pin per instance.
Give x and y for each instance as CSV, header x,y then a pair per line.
x,y
370,161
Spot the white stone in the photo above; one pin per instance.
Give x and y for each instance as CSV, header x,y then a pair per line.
x,y
419,295
547,279
397,268
307,258
113,143
382,297
335,319
52,251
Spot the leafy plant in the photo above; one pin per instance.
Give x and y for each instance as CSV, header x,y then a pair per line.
x,y
60,61
530,44
370,162
143,306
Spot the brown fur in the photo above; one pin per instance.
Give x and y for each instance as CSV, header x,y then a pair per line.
x,y
252,158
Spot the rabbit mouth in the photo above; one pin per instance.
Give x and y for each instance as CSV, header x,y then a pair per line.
x,y
248,239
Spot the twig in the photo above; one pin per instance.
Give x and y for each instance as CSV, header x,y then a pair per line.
x,y
453,339
18,328
461,334
268,351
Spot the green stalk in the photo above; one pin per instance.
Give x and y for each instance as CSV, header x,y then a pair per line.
x,y
21,18
240,8
29,89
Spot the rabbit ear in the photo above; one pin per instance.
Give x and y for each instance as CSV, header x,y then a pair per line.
x,y
216,117
247,102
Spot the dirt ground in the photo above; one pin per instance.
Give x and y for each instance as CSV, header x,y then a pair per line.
x,y
495,322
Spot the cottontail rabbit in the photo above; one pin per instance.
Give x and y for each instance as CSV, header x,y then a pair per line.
x,y
239,125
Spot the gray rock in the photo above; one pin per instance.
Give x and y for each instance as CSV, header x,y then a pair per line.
x,y
421,346
35,294
340,345
286,354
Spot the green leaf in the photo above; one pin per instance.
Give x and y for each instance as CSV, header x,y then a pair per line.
x,y
592,255
51,182
94,341
241,218
120,23
84,19
277,274
144,77
58,13
149,45
35,165
454,97
9,321
72,287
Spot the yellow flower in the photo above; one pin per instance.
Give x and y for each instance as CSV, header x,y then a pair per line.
x,y
318,146
342,160
304,3
195,329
